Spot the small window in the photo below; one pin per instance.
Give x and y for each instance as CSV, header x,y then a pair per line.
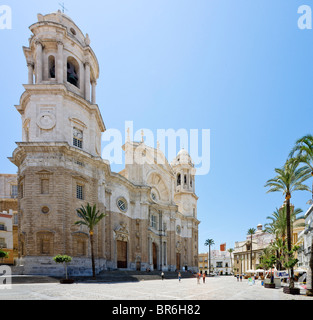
x,y
77,138
79,192
122,204
73,72
15,219
14,191
44,186
179,179
153,221
51,62
22,190
3,244
154,196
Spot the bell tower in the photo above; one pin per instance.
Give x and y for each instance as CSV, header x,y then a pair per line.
x,y
185,183
59,159
59,102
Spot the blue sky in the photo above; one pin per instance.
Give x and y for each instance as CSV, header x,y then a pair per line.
x,y
241,68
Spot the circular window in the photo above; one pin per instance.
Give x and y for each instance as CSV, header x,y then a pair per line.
x,y
122,204
73,31
153,196
45,210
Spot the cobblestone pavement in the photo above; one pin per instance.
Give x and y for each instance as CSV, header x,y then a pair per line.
x,y
217,288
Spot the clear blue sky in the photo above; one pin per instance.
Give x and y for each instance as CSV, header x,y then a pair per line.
x,y
240,68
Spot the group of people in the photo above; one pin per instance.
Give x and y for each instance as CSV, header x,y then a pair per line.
x,y
251,280
199,276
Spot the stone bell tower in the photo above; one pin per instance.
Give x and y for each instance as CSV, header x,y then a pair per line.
x,y
185,183
186,198
59,159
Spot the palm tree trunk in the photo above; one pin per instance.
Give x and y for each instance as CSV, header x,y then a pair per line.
x,y
209,261
251,254
289,241
92,255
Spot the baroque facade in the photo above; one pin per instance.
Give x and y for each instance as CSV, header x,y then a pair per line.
x,y
151,205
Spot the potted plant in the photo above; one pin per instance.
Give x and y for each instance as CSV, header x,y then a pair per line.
x,y
269,263
289,262
3,255
64,259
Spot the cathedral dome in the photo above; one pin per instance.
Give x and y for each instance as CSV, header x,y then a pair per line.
x,y
183,157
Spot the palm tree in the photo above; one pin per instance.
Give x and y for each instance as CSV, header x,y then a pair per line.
x,y
251,232
303,149
209,243
90,218
289,178
278,226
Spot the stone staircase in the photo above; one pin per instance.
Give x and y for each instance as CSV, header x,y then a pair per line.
x,y
104,277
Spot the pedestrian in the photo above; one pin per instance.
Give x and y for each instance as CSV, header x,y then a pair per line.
x,y
203,278
237,277
198,277
162,275
241,278
179,276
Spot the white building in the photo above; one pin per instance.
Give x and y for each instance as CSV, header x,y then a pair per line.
x,y
221,262
306,237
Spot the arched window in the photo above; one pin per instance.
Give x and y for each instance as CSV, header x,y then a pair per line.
x,y
51,64
179,179
73,72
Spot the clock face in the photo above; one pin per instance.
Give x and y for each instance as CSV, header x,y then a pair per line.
x,y
78,134
46,121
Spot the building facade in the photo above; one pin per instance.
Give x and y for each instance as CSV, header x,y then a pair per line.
x,y
204,263
151,205
306,241
222,262
242,250
8,217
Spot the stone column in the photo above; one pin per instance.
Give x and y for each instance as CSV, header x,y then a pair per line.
x,y
30,66
87,81
93,93
38,62
60,63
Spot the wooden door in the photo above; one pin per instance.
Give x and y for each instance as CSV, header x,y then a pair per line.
x,y
155,257
121,254
178,261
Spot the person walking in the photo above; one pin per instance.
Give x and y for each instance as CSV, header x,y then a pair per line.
x,y
241,278
203,277
162,275
179,276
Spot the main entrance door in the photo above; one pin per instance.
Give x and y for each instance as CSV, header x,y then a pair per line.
x,y
155,257
121,254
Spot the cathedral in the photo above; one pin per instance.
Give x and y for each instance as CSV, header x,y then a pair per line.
x,y
151,206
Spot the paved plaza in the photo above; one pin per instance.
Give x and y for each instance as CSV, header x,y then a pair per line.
x,y
217,288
